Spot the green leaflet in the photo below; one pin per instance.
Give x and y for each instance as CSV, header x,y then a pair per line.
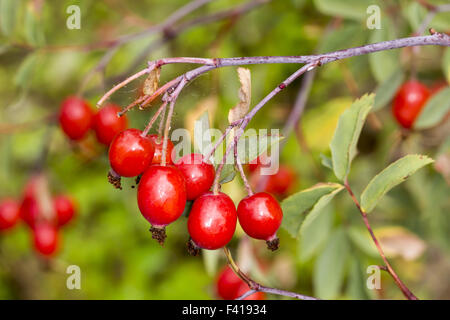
x,y
391,176
310,201
346,135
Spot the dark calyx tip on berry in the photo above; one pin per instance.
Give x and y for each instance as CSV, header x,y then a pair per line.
x,y
159,234
192,248
273,244
138,179
114,179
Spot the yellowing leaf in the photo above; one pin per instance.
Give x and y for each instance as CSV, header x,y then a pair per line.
x,y
245,93
152,82
319,122
400,242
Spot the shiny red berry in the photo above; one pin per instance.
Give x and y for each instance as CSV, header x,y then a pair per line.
x,y
212,220
198,174
75,117
158,142
130,153
107,124
408,102
161,197
260,216
228,284
280,183
46,238
9,213
261,161
29,208
64,208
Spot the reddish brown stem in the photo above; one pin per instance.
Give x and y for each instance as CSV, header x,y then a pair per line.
x,y
255,286
406,292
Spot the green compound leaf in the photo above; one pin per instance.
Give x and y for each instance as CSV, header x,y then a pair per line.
x,y
391,176
306,205
345,139
434,110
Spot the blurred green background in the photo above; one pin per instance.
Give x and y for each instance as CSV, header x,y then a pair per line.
x,y
42,62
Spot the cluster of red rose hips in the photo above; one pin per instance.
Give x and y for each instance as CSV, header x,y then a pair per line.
x,y
164,190
410,100
76,118
45,229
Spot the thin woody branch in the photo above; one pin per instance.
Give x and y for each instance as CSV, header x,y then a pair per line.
x,y
436,38
406,292
255,286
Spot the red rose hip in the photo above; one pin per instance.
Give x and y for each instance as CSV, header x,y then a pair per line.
x,y
408,102
280,183
29,208
228,284
64,208
211,222
107,124
260,216
161,197
130,153
198,174
46,239
158,142
9,213
254,296
75,117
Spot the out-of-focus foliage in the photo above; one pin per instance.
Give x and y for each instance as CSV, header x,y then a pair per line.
x,y
42,62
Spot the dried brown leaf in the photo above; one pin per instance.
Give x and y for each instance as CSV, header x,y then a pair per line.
x,y
241,109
